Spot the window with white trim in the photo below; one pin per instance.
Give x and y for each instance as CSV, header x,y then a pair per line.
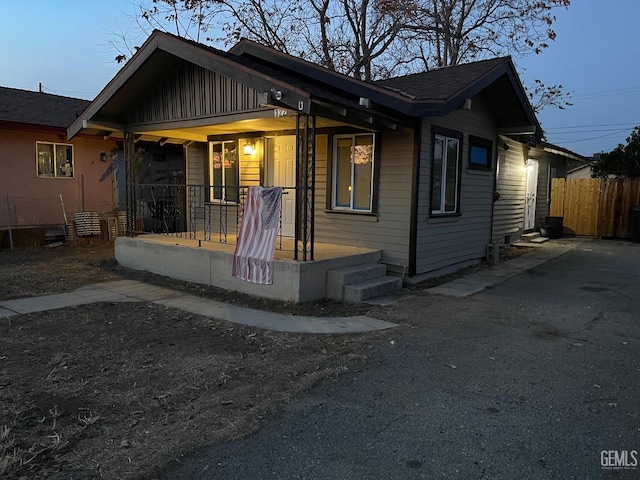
x,y
445,174
54,160
224,172
353,172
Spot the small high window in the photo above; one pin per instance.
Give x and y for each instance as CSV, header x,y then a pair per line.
x,y
54,160
480,152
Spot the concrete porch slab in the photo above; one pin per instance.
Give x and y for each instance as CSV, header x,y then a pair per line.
x,y
211,264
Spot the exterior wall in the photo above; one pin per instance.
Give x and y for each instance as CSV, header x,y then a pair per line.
x,y
387,229
508,210
445,241
36,200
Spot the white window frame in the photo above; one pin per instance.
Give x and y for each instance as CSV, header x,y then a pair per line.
x,y
443,174
222,200
334,173
55,163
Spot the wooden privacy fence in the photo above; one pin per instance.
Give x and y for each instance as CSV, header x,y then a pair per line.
x,y
595,207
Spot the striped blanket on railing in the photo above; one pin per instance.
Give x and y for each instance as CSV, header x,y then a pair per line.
x,y
253,257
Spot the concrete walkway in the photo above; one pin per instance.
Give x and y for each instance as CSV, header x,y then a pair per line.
x,y
133,291
477,282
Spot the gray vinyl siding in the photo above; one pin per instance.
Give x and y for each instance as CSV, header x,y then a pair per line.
x,y
448,240
195,157
388,228
193,92
508,213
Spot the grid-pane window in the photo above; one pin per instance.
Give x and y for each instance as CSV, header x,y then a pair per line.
x,y
224,172
353,172
444,193
54,160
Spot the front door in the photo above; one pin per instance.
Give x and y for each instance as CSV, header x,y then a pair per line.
x,y
530,196
281,172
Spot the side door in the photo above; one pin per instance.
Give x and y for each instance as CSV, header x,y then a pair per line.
x,y
531,193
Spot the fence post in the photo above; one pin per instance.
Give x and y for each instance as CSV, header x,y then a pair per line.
x,y
9,223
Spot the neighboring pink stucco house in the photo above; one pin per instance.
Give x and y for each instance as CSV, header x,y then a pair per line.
x,y
39,164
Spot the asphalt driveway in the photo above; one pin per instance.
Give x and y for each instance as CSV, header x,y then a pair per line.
x,y
533,379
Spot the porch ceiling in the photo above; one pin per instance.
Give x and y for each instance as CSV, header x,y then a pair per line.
x,y
173,133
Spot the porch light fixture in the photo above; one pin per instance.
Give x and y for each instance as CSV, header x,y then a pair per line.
x,y
528,166
103,156
249,149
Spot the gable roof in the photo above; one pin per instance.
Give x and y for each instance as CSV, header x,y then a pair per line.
x,y
445,82
35,108
162,51
434,92
309,88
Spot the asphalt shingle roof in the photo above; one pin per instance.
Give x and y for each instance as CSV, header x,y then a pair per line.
x,y
442,83
35,108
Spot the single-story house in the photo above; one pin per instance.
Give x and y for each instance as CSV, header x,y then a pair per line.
x,y
40,165
400,172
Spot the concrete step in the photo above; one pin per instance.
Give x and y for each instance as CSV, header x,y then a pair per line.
x,y
527,237
539,240
359,292
338,278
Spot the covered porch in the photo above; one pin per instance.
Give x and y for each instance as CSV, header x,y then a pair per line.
x,y
209,263
242,123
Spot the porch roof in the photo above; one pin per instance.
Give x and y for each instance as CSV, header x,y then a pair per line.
x,y
162,53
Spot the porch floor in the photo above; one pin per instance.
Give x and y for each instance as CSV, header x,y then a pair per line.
x,y
284,247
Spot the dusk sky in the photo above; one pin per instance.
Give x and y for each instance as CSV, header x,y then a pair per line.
x,y
64,45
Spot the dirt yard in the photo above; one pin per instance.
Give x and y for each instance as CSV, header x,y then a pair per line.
x,y
119,391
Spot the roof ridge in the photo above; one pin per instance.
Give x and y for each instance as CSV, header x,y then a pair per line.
x,y
44,93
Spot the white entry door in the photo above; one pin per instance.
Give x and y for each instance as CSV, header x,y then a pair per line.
x,y
530,196
281,172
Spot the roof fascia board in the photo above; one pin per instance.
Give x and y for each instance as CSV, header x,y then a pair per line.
x,y
32,127
563,153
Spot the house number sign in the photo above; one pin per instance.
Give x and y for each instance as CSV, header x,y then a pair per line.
x,y
279,112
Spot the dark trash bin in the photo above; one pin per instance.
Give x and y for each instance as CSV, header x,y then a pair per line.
x,y
635,232
554,224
